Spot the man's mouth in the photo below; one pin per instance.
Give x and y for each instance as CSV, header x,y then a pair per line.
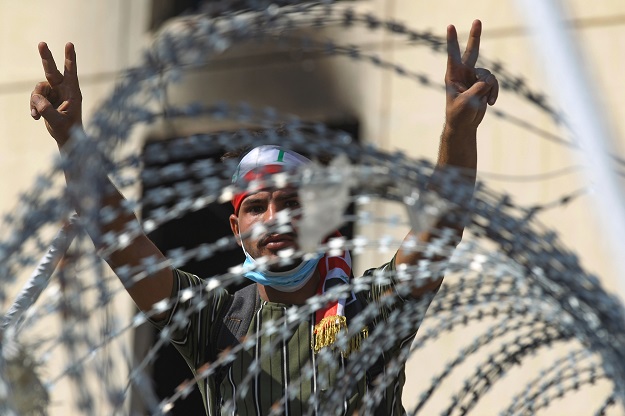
x,y
276,242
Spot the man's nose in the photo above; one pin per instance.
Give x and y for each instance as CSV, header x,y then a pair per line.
x,y
270,213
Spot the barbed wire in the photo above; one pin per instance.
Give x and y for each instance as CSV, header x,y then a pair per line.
x,y
512,275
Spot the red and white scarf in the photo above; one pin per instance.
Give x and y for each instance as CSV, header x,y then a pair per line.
x,y
330,320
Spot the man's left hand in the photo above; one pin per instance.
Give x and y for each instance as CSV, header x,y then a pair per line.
x,y
469,89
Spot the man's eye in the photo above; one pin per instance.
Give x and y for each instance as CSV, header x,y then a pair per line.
x,y
255,209
293,203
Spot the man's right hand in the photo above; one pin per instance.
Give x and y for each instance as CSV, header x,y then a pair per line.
x,y
58,99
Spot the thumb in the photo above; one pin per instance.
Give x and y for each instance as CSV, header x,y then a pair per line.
x,y
481,88
45,109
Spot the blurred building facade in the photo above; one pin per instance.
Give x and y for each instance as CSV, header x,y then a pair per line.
x,y
391,112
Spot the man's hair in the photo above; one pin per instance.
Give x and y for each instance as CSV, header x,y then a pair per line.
x,y
236,153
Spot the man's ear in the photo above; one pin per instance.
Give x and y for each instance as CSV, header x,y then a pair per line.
x,y
234,226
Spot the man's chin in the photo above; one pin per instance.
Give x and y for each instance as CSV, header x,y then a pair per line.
x,y
284,264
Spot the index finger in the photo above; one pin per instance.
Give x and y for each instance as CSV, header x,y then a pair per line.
x,y
453,49
472,51
53,75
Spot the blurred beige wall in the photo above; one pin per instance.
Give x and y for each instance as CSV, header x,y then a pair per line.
x,y
395,113
108,37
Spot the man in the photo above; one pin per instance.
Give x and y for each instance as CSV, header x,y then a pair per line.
x,y
278,383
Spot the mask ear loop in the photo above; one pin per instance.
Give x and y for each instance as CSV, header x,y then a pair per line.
x,y
241,241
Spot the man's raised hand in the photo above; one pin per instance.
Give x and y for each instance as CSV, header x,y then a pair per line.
x,y
58,99
469,89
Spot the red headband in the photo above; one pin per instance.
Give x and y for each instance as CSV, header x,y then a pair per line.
x,y
250,176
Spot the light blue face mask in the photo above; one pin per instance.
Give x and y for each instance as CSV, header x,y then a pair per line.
x,y
288,281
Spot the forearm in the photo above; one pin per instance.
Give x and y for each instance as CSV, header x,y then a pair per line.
x,y
455,173
95,198
118,235
458,149
138,252
457,156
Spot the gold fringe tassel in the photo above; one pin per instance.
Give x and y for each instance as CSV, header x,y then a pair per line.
x,y
326,333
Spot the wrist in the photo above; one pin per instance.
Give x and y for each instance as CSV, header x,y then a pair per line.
x,y
64,137
458,147
453,128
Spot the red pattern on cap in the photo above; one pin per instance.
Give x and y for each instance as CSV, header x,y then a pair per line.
x,y
250,176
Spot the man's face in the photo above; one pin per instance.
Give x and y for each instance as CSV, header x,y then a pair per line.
x,y
263,208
